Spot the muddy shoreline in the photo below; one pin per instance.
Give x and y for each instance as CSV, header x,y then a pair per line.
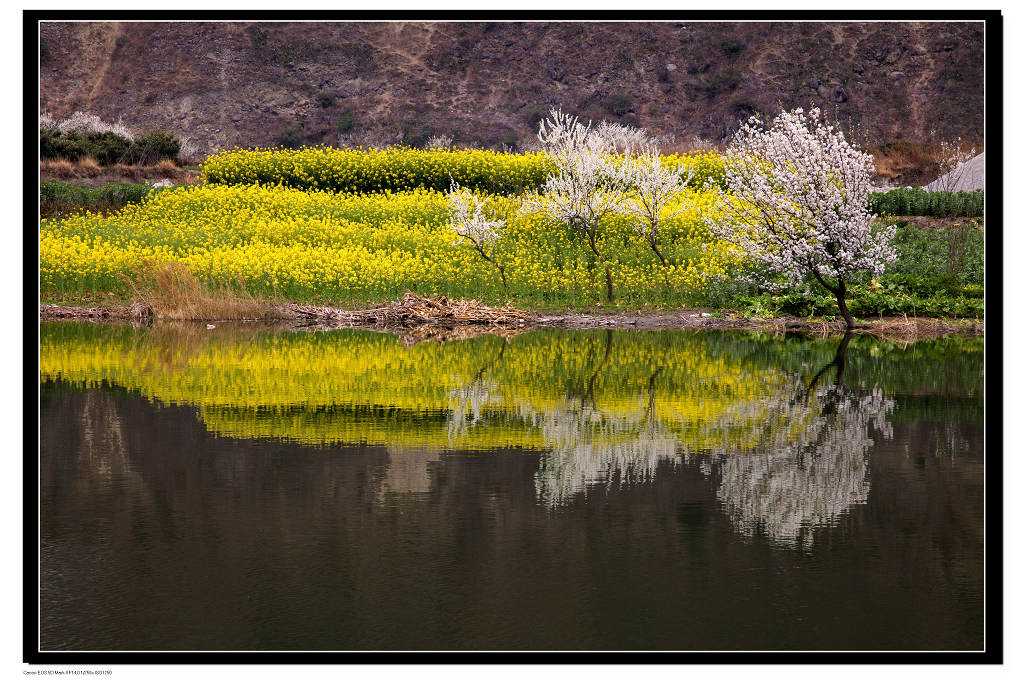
x,y
299,317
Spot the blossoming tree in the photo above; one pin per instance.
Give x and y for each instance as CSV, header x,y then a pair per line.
x,y
652,186
798,203
470,223
583,190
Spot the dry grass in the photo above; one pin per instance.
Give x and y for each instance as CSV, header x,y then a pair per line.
x,y
171,292
903,160
89,167
910,163
167,167
58,168
133,173
88,172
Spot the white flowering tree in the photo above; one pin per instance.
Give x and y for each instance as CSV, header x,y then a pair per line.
x,y
469,223
620,138
652,187
583,190
798,203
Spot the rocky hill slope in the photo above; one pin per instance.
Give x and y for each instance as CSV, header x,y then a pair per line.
x,y
225,84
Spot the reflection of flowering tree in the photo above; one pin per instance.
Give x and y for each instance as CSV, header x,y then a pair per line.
x,y
810,465
789,458
588,447
466,403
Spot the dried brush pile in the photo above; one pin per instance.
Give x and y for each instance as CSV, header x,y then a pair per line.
x,y
413,309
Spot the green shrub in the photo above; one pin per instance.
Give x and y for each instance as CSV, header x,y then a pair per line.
x,y
108,148
922,281
156,145
345,122
619,104
510,140
731,46
290,137
415,134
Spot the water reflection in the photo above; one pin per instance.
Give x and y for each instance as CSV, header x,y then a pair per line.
x,y
795,481
248,489
788,447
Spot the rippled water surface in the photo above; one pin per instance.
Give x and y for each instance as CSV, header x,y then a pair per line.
x,y
244,488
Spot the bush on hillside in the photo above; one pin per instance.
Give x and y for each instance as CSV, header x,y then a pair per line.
x,y
108,148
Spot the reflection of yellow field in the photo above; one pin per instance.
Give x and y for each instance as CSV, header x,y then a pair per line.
x,y
602,407
357,386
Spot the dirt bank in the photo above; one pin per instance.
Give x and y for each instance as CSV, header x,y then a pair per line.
x,y
438,325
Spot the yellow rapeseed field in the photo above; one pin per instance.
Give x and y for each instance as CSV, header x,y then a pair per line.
x,y
325,246
403,168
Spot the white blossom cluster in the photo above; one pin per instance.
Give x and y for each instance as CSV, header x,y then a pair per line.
x,y
470,223
602,170
468,220
621,139
441,142
466,404
583,188
590,447
952,157
798,200
652,187
80,122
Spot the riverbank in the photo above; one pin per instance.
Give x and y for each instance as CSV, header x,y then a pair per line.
x,y
441,318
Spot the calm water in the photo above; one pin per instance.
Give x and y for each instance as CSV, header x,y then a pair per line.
x,y
241,488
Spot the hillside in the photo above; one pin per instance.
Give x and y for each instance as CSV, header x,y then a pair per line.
x,y
226,84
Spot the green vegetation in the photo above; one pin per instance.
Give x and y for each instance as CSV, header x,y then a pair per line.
x,y
937,273
108,148
346,122
381,229
915,201
57,198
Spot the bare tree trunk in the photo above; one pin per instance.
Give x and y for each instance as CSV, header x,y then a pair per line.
x,y
658,252
838,362
500,269
839,292
591,234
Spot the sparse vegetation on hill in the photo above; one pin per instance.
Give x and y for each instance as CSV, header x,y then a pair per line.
x,y
488,84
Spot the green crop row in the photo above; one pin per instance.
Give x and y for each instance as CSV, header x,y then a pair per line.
x,y
912,201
